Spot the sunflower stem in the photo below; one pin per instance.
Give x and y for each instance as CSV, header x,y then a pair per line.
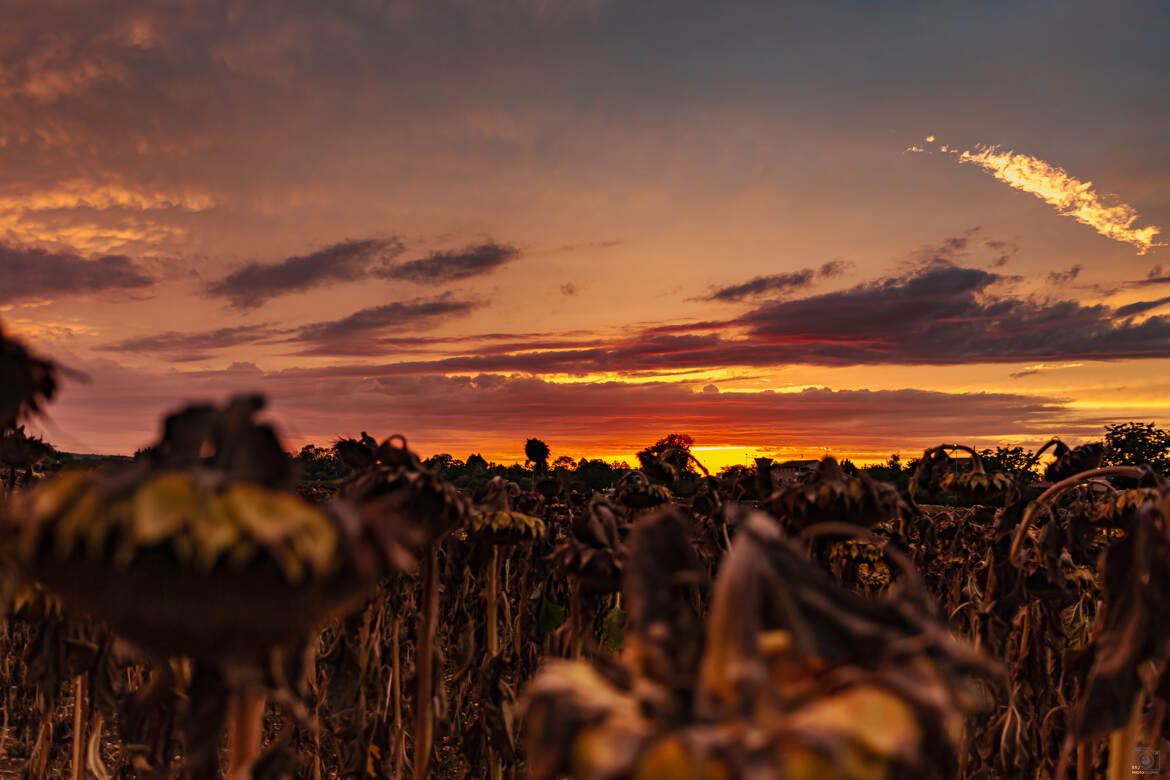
x,y
78,725
396,740
492,596
423,709
1084,758
245,732
1122,741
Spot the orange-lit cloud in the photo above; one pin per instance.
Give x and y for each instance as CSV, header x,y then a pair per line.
x,y
1052,184
96,217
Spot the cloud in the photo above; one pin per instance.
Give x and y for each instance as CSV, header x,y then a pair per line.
x,y
1064,277
192,346
1041,367
833,268
1004,250
359,332
1139,307
939,314
607,244
345,261
119,411
778,284
36,274
439,267
945,314
1070,196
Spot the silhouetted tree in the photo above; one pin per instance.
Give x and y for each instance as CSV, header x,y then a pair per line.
x,y
319,463
1137,444
1010,460
676,447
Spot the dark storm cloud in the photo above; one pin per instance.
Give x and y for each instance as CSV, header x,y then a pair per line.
x,y
439,267
345,261
359,332
179,347
28,273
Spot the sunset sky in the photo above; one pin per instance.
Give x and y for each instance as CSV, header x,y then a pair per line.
x,y
783,228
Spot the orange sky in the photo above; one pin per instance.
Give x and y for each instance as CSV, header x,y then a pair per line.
x,y
593,221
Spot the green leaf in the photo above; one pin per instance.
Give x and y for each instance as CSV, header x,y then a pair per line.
x,y
549,615
615,621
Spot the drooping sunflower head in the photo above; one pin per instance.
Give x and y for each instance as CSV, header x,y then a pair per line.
x,y
635,491
536,451
1073,461
199,548
26,381
833,495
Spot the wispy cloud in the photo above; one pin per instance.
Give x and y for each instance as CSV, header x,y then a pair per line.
x,y
1052,184
1065,277
454,265
778,284
361,331
345,261
179,347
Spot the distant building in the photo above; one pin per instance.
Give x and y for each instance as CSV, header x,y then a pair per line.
x,y
794,470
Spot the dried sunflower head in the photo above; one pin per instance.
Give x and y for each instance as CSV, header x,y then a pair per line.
x,y
358,454
198,550
1122,509
597,526
593,551
708,499
19,450
536,451
549,488
658,467
1073,461
503,527
977,485
26,382
832,495
932,467
635,491
496,522
797,678
402,503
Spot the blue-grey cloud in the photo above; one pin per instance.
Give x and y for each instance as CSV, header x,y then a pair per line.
x,y
180,347
28,273
345,261
450,266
